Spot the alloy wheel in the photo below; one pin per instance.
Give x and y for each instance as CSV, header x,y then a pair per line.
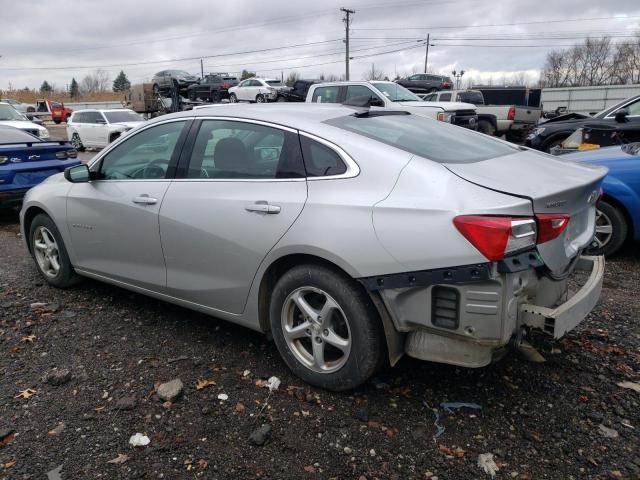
x,y
75,141
316,329
45,249
604,229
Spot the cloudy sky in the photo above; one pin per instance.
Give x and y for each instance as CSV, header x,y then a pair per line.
x,y
57,40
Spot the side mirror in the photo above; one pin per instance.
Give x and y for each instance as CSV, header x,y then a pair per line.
x,y
376,102
621,115
77,174
101,122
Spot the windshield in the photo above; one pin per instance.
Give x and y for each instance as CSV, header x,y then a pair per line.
x,y
425,137
122,116
275,83
471,97
7,112
395,92
179,72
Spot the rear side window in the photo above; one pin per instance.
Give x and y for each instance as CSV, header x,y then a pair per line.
x,y
326,94
425,137
320,160
445,97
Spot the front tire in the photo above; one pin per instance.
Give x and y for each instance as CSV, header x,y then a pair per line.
x,y
326,328
611,229
57,121
260,98
233,98
486,127
50,254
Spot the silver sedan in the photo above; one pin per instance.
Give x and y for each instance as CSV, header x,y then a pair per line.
x,y
351,236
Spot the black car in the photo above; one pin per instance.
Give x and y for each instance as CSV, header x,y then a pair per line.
x,y
426,83
298,92
212,88
624,117
165,80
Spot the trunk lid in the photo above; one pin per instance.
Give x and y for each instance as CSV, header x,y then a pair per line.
x,y
552,185
34,152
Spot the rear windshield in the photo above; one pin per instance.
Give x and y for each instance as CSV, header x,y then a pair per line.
x,y
425,137
471,97
124,116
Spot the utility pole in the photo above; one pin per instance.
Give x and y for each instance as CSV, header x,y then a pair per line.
x,y
347,22
426,55
202,68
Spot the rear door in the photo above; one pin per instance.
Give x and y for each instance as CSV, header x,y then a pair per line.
x,y
113,221
243,186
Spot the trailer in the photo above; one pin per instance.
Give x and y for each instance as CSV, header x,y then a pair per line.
x,y
145,100
586,100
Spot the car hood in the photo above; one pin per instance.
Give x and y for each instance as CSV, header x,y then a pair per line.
x,y
128,124
568,118
21,124
554,186
600,154
451,106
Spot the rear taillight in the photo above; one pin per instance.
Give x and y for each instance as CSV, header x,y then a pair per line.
x,y
497,237
3,159
226,85
441,116
511,115
63,155
551,225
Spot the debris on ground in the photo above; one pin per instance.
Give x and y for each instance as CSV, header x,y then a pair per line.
x,y
139,440
260,435
121,458
630,385
125,403
170,391
273,383
57,430
223,396
55,473
487,464
203,383
608,432
57,376
449,407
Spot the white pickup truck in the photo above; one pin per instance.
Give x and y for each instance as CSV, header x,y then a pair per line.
x,y
511,120
391,95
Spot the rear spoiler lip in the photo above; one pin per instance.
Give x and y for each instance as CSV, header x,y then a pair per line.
x,y
30,144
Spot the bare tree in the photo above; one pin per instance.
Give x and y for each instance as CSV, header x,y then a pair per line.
x,y
292,78
626,62
97,81
374,74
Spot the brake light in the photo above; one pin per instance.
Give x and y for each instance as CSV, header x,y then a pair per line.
x,y
497,237
511,115
551,225
226,85
440,116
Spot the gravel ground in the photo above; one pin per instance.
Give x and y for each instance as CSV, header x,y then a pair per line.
x,y
94,357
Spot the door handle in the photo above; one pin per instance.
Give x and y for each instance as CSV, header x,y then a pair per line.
x,y
145,200
263,207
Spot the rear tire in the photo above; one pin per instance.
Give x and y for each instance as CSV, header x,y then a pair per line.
x,y
57,121
611,229
49,252
350,336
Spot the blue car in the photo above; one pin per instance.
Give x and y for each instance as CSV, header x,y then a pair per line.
x,y
25,161
618,215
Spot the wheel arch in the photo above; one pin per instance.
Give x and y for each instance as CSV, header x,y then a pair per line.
x,y
394,339
31,213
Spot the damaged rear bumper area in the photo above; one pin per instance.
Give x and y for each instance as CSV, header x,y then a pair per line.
x,y
469,315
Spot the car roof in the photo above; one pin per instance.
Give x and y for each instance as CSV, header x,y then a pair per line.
x,y
300,116
103,110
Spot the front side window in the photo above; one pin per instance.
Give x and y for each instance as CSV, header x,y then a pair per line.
x,y
360,91
122,116
93,117
326,94
145,155
7,112
237,150
395,92
633,108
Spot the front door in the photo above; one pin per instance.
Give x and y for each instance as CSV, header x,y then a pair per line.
x,y
113,220
243,188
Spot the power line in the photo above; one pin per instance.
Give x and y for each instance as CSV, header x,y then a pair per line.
x,y
500,24
155,62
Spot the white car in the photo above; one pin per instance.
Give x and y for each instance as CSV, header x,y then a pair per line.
x,y
10,117
98,128
258,90
21,107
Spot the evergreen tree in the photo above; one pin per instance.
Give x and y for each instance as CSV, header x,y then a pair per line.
x,y
46,87
247,74
121,83
74,89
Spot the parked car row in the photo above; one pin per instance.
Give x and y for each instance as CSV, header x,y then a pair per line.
x,y
98,128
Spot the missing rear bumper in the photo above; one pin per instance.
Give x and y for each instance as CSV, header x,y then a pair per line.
x,y
565,317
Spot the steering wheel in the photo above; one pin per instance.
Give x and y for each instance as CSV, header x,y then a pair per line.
x,y
153,170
